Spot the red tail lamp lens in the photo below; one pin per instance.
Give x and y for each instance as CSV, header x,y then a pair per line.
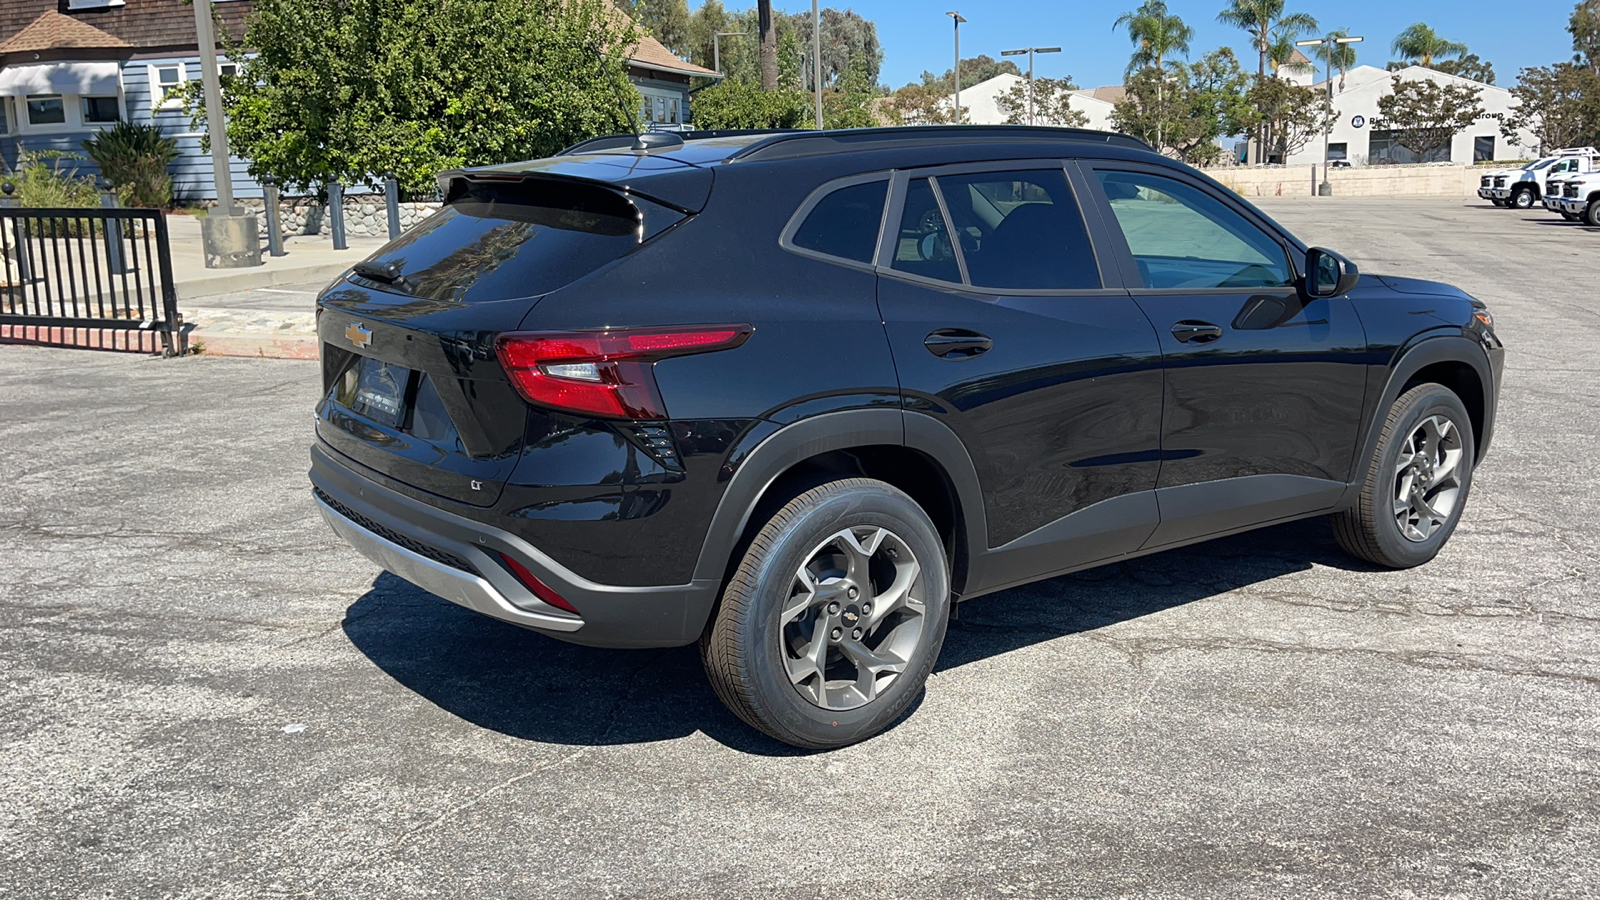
x,y
539,588
605,373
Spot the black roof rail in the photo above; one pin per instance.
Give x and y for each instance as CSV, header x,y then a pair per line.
x,y
654,140
811,143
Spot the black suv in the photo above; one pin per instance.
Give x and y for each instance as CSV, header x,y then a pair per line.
x,y
794,395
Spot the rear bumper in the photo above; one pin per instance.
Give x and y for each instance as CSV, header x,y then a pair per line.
x,y
456,558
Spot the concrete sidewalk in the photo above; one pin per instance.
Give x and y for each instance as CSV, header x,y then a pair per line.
x,y
308,258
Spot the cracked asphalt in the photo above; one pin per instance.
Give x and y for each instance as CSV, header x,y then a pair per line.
x,y
205,695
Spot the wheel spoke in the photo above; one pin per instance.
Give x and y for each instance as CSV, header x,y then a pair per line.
x,y
859,552
870,666
897,595
803,600
1445,473
812,661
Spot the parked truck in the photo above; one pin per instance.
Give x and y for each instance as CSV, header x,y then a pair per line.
x,y
1580,199
1524,187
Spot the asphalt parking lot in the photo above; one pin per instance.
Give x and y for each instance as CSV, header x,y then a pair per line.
x,y
204,694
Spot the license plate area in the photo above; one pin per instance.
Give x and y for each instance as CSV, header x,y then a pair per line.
x,y
375,390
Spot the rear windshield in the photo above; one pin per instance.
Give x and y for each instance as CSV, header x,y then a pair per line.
x,y
504,241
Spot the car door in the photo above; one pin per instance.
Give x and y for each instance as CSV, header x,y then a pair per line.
x,y
1003,327
1264,386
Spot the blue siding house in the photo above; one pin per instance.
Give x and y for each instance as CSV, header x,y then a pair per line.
x,y
69,68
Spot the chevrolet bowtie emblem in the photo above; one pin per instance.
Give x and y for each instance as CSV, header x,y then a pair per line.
x,y
361,337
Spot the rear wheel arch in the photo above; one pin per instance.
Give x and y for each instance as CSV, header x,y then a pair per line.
x,y
913,453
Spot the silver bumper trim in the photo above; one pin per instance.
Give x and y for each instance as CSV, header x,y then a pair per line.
x,y
460,588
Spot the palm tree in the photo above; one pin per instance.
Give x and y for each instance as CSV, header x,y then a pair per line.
x,y
769,45
1155,33
1259,18
1339,57
1420,44
1281,50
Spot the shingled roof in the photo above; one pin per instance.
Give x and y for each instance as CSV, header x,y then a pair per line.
x,y
53,31
651,53
139,25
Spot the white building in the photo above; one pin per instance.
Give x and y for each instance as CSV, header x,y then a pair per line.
x,y
982,103
1360,136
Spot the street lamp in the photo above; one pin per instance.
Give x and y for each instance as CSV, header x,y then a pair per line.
x,y
958,20
716,47
1030,51
1331,42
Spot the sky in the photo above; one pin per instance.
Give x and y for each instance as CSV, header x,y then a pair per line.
x,y
916,34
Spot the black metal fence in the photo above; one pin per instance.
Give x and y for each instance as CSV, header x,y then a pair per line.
x,y
89,268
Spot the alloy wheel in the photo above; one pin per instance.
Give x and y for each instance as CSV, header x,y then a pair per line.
x,y
854,618
1427,483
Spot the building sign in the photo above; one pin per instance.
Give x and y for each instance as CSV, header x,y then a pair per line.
x,y
1358,121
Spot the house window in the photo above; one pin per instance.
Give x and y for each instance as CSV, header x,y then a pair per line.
x,y
164,78
1385,148
100,109
228,70
46,109
75,5
1483,148
5,115
1339,151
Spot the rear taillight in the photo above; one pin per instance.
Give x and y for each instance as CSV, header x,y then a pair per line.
x,y
605,373
539,588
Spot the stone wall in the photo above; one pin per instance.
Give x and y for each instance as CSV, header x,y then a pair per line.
x,y
364,216
1369,181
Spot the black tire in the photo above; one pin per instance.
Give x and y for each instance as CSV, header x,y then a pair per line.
x,y
1522,199
1591,214
749,649
1571,217
1371,529
1500,203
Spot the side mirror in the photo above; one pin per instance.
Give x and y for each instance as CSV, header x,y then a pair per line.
x,y
1328,274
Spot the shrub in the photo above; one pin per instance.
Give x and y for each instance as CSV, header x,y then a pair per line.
x,y
134,156
734,104
52,180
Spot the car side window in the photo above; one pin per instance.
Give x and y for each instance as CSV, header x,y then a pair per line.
x,y
922,240
1021,229
1181,237
845,222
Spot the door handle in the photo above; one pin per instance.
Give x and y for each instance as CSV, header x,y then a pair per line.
x,y
1191,332
957,343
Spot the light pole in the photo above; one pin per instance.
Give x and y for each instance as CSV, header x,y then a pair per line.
x,y
816,57
1030,51
958,20
716,47
1331,44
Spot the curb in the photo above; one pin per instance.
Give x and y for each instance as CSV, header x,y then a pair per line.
x,y
256,346
235,280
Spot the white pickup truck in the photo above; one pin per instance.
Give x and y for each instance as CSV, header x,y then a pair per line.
x,y
1524,187
1580,199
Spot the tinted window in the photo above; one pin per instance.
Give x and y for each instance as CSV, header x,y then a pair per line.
x,y
922,242
1020,230
499,242
1182,237
845,222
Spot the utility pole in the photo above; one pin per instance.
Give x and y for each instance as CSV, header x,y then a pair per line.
x,y
958,20
1030,51
816,57
1330,44
228,236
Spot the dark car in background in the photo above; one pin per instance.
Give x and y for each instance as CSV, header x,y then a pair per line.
x,y
795,395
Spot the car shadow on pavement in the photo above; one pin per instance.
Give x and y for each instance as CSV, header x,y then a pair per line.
x,y
536,688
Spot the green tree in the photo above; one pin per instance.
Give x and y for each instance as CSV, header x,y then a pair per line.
x,y
1426,116
975,70
134,157
1183,109
1051,103
1288,116
921,103
1468,66
740,104
353,89
666,20
1155,33
847,103
1260,19
1421,45
1338,57
1560,104
1584,26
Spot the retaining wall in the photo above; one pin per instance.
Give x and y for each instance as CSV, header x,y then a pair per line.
x,y
1367,181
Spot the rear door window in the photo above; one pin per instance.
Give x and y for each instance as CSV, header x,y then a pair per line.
x,y
1020,230
845,222
506,241
922,240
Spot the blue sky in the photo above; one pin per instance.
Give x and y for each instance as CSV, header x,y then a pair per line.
x,y
916,33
